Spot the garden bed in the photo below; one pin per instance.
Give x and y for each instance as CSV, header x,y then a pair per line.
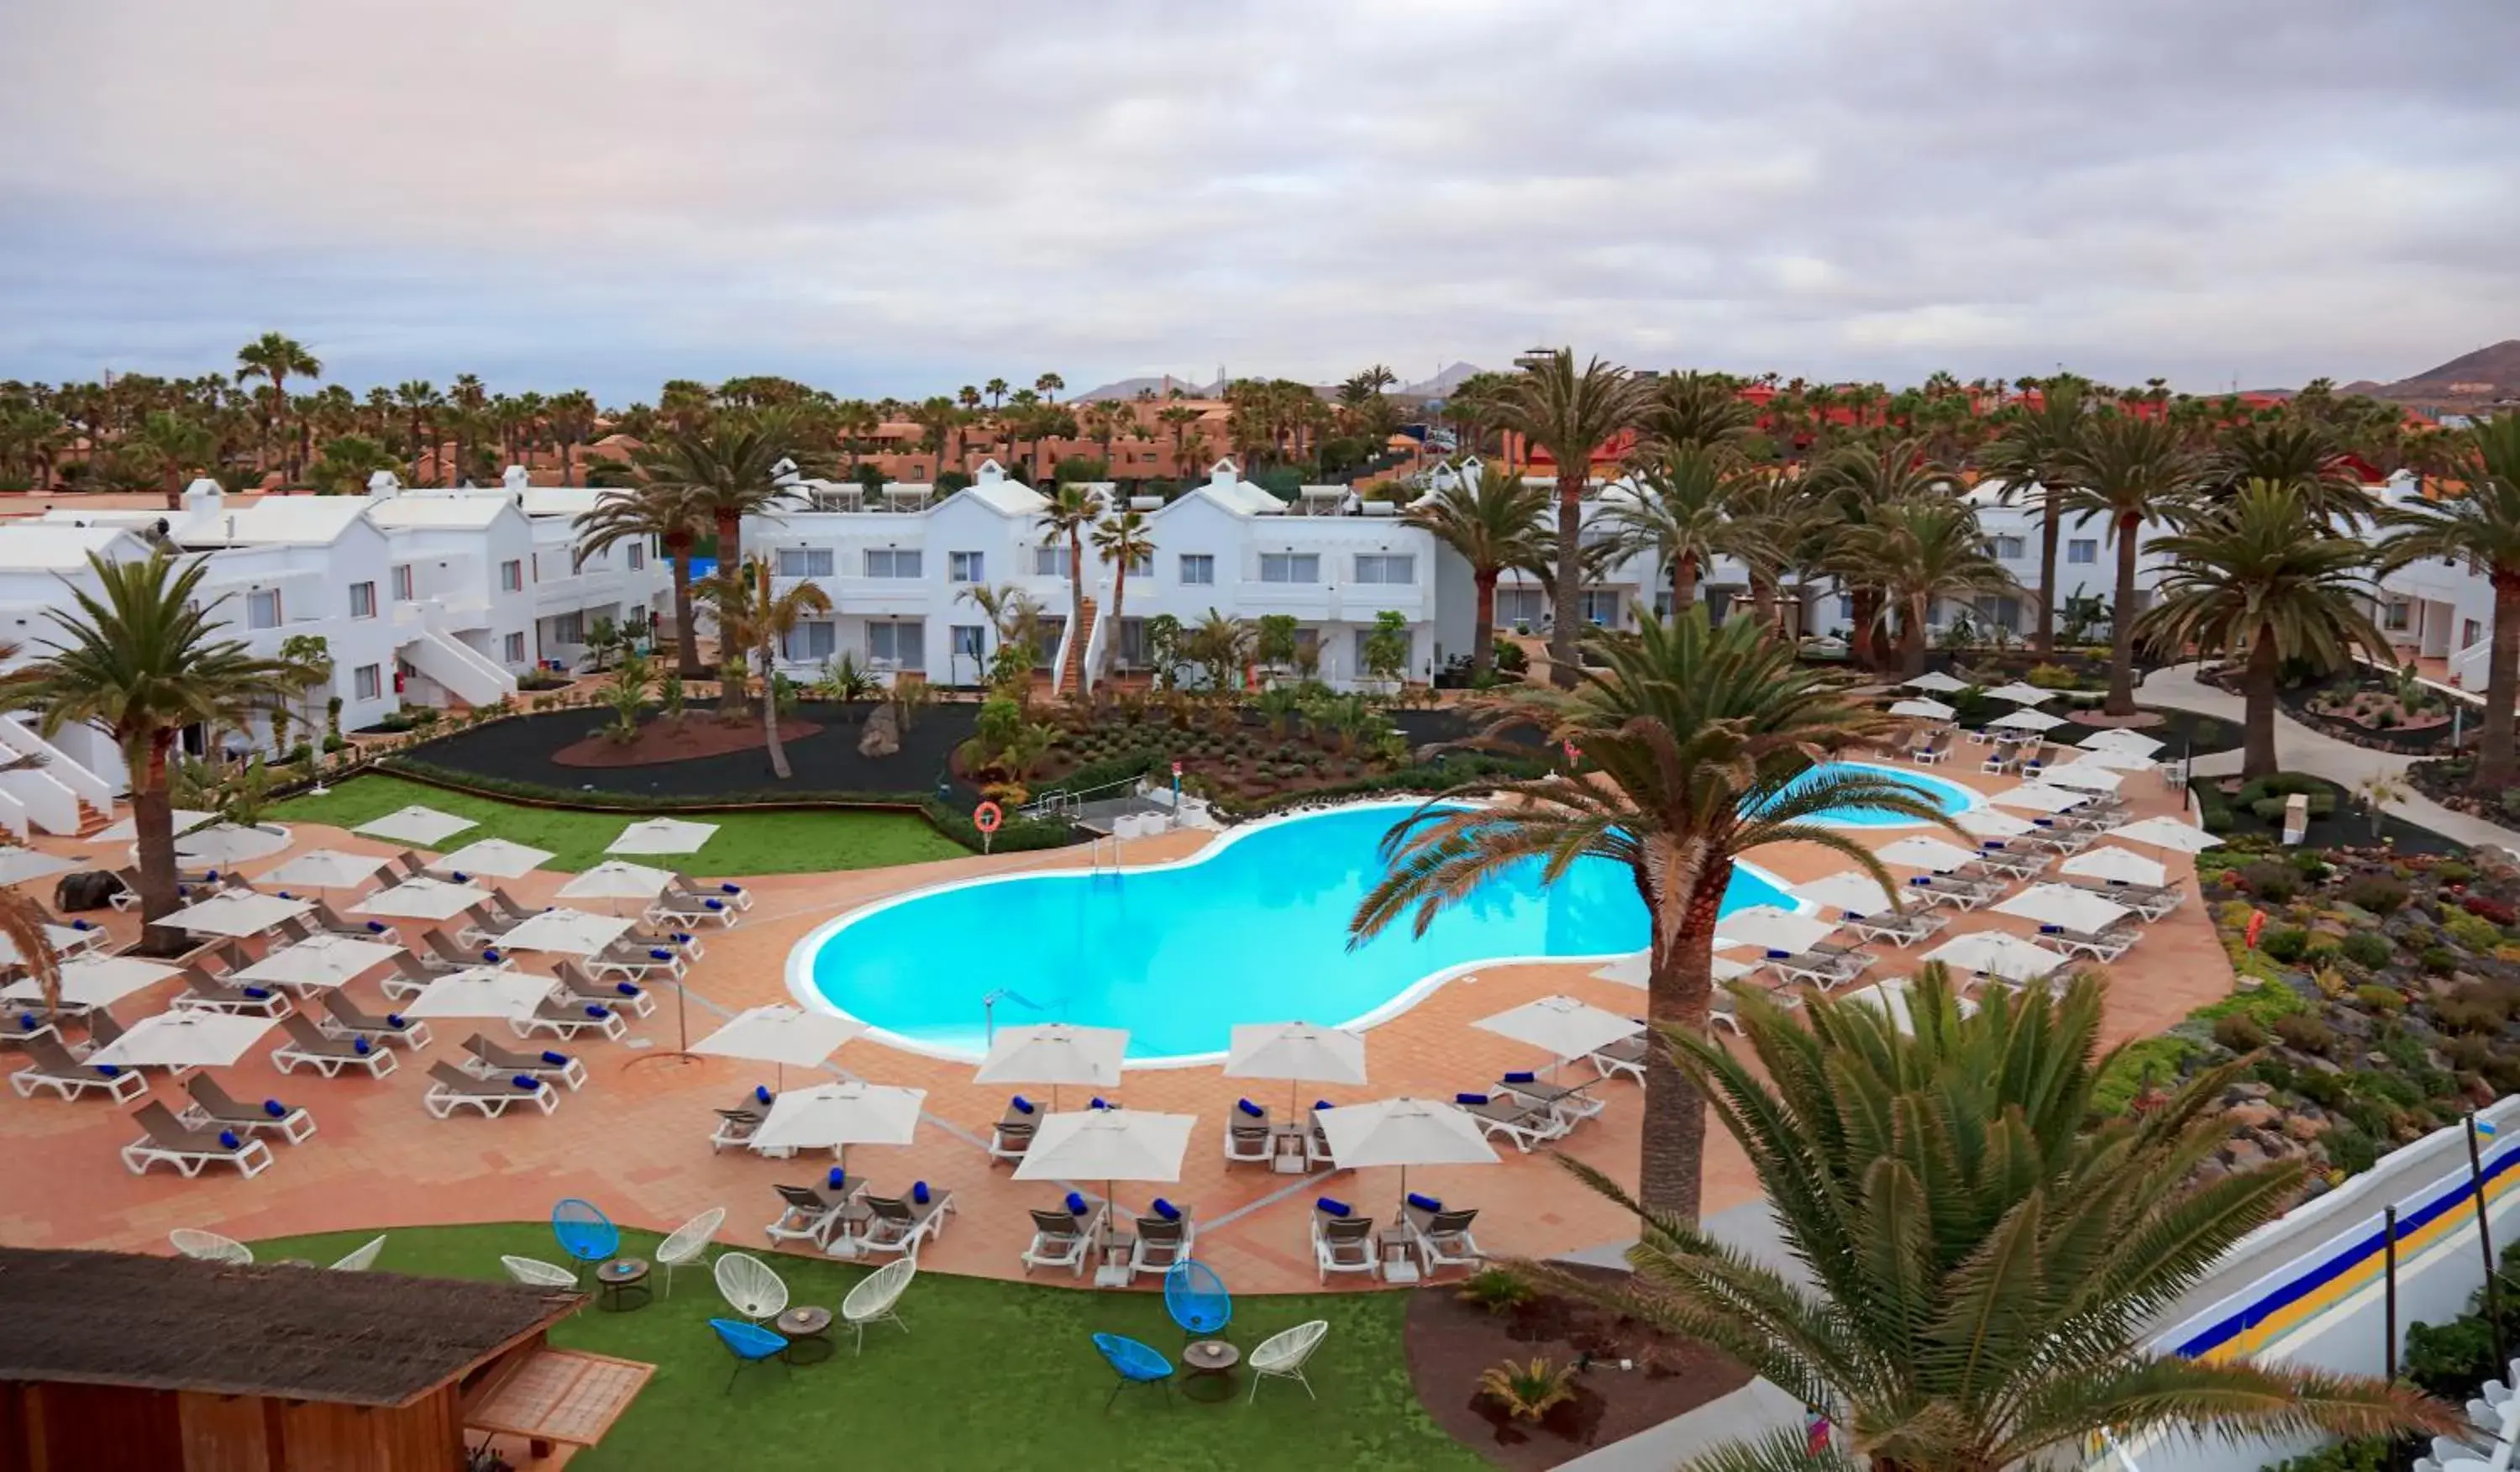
x,y
2231,809
2445,782
662,739
2381,713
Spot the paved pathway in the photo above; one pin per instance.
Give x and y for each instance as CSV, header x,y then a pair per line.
x,y
2299,749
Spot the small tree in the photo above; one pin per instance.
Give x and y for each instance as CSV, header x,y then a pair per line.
x,y
844,684
1274,645
1387,647
669,695
312,655
1162,641
627,696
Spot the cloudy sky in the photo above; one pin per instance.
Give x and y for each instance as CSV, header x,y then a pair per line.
x,y
879,196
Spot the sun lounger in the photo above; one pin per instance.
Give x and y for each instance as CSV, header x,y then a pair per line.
x,y
1441,1237
357,928
213,1109
1815,967
1945,889
1571,1106
1625,1056
621,996
631,960
128,897
104,1030
348,1019
450,1088
812,1214
2058,838
898,1224
1527,1125
49,1065
564,1019
488,1060
440,954
735,1126
405,864
225,959
2100,946
485,927
327,1055
2002,758
1161,1242
736,895
23,1028
677,909
203,992
1250,1138
1997,858
1343,1243
189,1151
408,979
1012,1135
1936,750
1895,927
1063,1239
2152,901
1317,1144
290,930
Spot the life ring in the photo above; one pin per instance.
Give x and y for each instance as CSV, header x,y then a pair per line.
x,y
987,816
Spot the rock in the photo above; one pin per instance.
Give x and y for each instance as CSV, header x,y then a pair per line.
x,y
2302,1127
2243,1154
2252,1115
2250,1089
882,735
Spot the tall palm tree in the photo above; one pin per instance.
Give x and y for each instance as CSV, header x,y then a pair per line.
x,y
2035,457
180,445
1069,515
1121,541
2259,577
1782,514
1920,550
1694,411
1856,479
1982,1264
657,512
751,617
1493,518
138,659
2129,470
2295,452
725,471
274,357
1570,414
2482,526
1698,746
1683,519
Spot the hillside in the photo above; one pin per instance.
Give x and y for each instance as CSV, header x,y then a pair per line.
x,y
2487,374
1162,383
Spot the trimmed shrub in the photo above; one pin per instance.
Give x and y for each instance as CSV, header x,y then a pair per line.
x,y
2285,944
2305,1033
2377,893
2477,935
2438,960
2272,881
2383,999
2368,949
2239,1032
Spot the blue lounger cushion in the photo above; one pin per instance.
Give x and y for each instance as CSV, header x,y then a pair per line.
x,y
361,1046
526,1081
918,1192
228,1139
1320,1104
1075,1203
836,1179
1522,1076
1020,1104
1098,1102
761,1091
1331,1206
597,1011
1424,1203
1470,1098
625,988
275,1109
556,1060
1166,1210
1251,1109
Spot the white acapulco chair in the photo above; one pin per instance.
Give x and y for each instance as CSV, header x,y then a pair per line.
x,y
1281,1355
689,1243
363,1259
534,1272
872,1301
748,1286
209,1247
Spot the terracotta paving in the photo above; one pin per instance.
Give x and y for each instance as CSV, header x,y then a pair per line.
x,y
636,1139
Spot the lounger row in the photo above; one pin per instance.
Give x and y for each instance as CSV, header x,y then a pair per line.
x,y
846,1219
1344,1242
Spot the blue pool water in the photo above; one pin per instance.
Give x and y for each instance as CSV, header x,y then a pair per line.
x,y
1255,929
1950,797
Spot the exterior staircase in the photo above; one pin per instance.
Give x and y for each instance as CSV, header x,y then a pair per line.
x,y
1071,664
92,819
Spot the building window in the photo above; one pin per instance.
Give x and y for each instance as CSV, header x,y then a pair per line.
x,y
2005,548
1132,643
1290,566
538,566
262,607
569,627
637,556
970,642
1601,609
2396,616
815,641
2083,549
966,567
367,681
804,561
402,583
1523,606
1197,568
1845,606
511,577
1387,568
516,649
1049,562
1143,565
891,562
363,599
2469,632
1053,628
902,644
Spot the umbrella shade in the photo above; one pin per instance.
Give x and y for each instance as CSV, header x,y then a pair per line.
x,y
2062,904
1924,709
324,869
1891,998
1631,971
18,865
236,913
186,820
1108,1144
426,826
614,880
421,898
1987,822
1561,1025
572,933
1770,927
2120,865
183,1039
94,981
2026,721
1403,1133
2039,796
790,1036
661,836
1055,1052
1991,952
1919,854
232,842
494,856
1937,682
1295,1050
324,961
2116,758
827,1115
2020,694
2120,740
2083,776
2166,832
1850,890
482,992
59,938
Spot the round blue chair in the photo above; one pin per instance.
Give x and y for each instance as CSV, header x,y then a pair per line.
x,y
749,1344
585,1234
1135,1363
1195,1297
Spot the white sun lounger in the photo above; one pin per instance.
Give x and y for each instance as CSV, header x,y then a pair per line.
x,y
189,1151
450,1088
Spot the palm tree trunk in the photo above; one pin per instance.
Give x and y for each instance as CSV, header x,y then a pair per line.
x,y
729,541
1763,603
1911,639
1865,644
2257,686
1483,622
1565,664
2052,526
1111,642
153,821
2494,757
2121,699
1671,1150
1683,583
778,768
687,638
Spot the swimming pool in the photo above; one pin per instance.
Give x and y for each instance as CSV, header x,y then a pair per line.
x,y
1253,929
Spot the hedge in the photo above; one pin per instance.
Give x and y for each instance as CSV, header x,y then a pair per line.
x,y
1444,772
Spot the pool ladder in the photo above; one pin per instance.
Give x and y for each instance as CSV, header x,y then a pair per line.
x,y
989,1008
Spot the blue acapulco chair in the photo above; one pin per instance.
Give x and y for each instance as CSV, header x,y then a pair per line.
x,y
1195,1297
1135,1363
749,1344
584,1232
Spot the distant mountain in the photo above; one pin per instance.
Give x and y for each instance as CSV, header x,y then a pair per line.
x,y
2483,376
1441,386
1162,383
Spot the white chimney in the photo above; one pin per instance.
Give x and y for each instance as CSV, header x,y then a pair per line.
x,y
516,477
203,497
384,485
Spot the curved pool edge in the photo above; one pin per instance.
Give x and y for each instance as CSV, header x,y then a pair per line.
x,y
798,968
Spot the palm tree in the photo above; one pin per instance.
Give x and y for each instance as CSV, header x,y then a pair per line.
x,y
725,472
1695,411
2129,470
1920,550
1983,1264
1781,513
1493,518
273,357
1570,414
749,615
1684,517
139,662
1856,479
1698,747
1122,541
1070,515
2294,451
180,445
2482,526
2258,576
2033,456
661,512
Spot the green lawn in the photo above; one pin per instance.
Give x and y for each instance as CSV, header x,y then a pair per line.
x,y
746,843
990,1375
